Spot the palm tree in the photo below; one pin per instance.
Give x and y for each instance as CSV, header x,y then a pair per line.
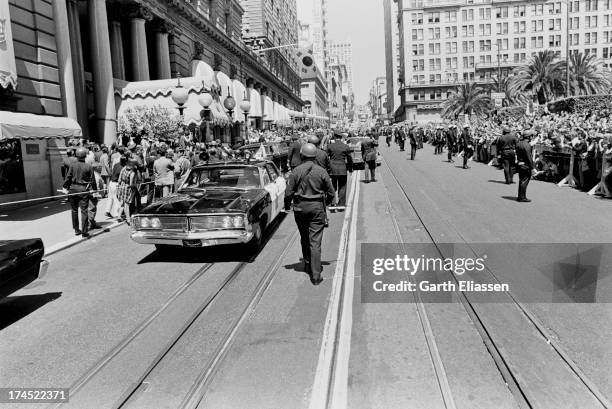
x,y
468,98
512,96
587,75
542,75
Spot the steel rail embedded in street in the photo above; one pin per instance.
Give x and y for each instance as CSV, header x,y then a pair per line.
x,y
507,372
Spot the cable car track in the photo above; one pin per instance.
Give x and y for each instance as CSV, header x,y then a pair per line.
x,y
507,373
197,391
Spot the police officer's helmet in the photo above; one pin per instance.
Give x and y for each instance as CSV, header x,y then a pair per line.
x,y
308,150
81,153
314,140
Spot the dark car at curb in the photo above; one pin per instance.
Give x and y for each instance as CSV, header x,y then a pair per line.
x,y
277,152
220,203
20,264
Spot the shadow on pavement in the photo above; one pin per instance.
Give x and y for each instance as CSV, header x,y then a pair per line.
x,y
513,198
12,309
213,254
299,266
501,182
34,212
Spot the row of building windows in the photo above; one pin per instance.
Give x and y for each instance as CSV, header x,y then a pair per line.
x,y
484,13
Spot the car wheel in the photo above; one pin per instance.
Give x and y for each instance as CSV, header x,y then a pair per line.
x,y
258,236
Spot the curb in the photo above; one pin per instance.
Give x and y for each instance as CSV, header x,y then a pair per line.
x,y
72,242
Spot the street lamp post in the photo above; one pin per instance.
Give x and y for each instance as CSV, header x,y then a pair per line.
x,y
179,96
567,55
229,104
205,101
245,106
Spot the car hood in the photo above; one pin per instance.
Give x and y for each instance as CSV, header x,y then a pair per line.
x,y
211,201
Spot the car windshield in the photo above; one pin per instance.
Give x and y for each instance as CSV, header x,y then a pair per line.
x,y
226,177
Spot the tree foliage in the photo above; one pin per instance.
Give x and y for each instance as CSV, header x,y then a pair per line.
x,y
156,122
587,75
468,98
542,75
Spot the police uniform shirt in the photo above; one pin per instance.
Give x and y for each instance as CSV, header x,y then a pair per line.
x,y
309,181
81,174
507,142
322,159
339,157
523,153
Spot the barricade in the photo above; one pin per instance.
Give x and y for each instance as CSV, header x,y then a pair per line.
x,y
601,188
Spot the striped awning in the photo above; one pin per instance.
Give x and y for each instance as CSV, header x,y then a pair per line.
x,y
239,95
255,97
268,111
31,126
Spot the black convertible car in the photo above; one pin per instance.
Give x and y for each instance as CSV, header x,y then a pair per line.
x,y
277,152
20,264
221,203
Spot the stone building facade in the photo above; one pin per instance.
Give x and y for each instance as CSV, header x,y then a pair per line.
x,y
72,58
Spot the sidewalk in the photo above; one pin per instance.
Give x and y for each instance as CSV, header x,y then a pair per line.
x,y
50,221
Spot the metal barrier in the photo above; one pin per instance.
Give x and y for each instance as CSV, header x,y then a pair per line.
x,y
66,195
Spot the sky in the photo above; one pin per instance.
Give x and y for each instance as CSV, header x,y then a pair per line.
x,y
360,21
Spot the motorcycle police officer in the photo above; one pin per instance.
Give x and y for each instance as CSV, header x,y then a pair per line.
x,y
80,181
309,187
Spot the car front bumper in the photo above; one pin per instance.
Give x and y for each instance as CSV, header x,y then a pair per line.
x,y
192,239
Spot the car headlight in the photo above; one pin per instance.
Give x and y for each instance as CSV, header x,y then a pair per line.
x,y
144,222
156,223
227,222
238,221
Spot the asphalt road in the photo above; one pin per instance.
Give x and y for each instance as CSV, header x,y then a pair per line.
x,y
238,332
455,205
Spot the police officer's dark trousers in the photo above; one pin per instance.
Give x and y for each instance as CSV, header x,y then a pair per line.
x,y
524,178
339,184
413,149
508,160
79,203
450,153
467,154
401,145
310,219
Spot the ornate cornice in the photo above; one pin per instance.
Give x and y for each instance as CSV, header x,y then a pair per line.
x,y
139,11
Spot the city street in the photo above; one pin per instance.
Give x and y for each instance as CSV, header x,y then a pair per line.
x,y
226,329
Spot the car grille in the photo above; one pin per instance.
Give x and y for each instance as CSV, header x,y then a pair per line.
x,y
213,222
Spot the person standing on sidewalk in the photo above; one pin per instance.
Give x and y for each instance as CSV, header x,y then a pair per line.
x,y
79,183
127,187
163,171
308,187
181,168
506,149
341,161
113,204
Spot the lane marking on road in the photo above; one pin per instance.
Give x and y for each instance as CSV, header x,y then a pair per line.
x,y
335,342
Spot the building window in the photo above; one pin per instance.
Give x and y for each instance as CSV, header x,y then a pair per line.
x,y
433,17
484,13
574,6
501,12
417,18
519,27
537,9
519,11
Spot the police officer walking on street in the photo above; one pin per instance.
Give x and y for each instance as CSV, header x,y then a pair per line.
x,y
79,183
341,162
468,145
525,165
309,187
506,148
451,140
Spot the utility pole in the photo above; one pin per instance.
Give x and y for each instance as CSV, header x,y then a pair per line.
x,y
567,53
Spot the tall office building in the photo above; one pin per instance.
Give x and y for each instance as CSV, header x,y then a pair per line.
x,y
342,53
393,55
312,15
454,41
